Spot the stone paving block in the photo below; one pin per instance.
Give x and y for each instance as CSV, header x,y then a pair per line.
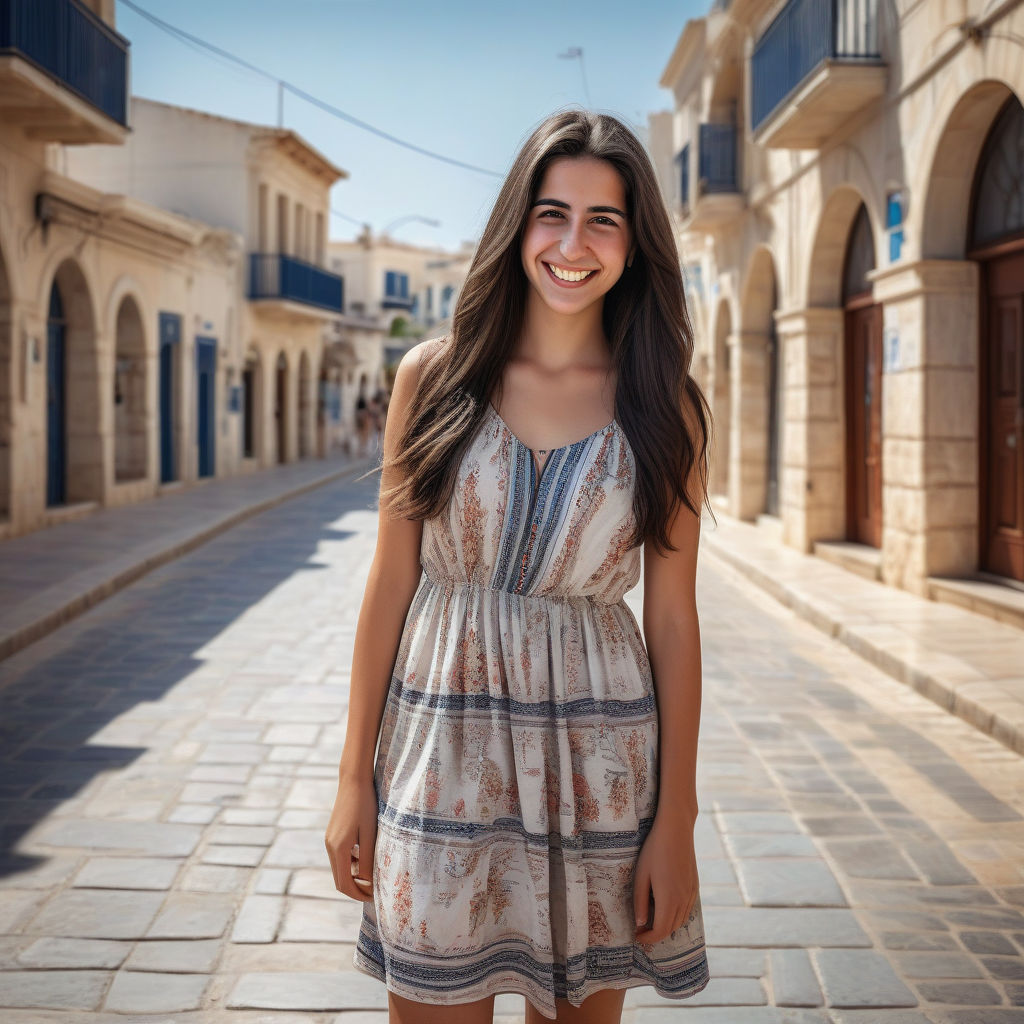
x,y
304,819
717,872
55,953
57,990
757,821
214,878
937,863
16,906
258,919
792,978
292,733
272,881
1001,917
721,895
989,942
97,914
145,837
937,965
783,926
786,844
196,814
309,991
685,1014
189,956
233,753
188,915
249,816
211,792
48,872
975,993
238,856
840,825
988,1015
859,978
923,941
142,992
879,1017
218,772
127,873
1004,968
870,858
320,882
311,920
717,992
736,962
788,883
299,848
241,835
312,794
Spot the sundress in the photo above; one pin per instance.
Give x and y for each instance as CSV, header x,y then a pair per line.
x,y
517,763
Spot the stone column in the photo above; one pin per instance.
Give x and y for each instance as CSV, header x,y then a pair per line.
x,y
812,486
748,433
929,420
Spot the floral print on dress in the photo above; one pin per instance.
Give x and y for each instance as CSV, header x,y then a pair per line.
x,y
516,772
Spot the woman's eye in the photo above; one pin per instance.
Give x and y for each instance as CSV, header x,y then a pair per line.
x,y
602,220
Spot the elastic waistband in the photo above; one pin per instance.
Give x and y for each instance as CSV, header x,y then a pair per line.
x,y
446,583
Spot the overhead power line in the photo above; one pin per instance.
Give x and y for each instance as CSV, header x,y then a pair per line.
x,y
186,37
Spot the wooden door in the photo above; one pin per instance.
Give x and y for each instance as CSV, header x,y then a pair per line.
x,y
1002,417
863,328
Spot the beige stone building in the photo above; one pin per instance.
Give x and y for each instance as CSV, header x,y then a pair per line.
x,y
271,188
99,293
847,179
397,294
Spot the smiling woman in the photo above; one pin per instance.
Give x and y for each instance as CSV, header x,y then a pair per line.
x,y
519,766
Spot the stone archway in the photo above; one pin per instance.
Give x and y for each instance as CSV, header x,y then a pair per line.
x,y
73,417
131,417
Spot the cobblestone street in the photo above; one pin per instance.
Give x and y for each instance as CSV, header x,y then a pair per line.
x,y
169,760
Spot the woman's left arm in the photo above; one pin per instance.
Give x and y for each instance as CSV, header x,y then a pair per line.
x,y
672,633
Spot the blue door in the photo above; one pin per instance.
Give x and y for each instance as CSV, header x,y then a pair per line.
x,y
170,336
206,374
56,408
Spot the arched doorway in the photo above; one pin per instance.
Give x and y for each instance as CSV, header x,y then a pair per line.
x,y
721,402
75,467
131,442
281,407
996,241
305,406
251,390
774,411
862,344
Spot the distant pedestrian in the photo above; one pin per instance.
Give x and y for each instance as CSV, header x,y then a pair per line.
x,y
517,790
362,424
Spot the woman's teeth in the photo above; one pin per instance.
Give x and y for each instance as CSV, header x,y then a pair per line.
x,y
569,275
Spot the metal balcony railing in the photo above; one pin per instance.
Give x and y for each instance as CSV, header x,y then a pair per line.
x,y
277,276
717,158
67,41
803,35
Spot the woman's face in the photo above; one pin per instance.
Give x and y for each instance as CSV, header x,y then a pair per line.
x,y
577,223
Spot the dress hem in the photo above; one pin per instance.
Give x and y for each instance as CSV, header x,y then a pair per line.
x,y
516,984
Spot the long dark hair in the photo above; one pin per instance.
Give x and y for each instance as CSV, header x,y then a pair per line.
x,y
659,406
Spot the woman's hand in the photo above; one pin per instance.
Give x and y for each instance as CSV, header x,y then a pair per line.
x,y
668,865
351,837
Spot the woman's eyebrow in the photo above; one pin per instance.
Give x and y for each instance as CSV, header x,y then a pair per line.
x,y
590,209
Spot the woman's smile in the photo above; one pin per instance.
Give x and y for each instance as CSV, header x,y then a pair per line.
x,y
567,278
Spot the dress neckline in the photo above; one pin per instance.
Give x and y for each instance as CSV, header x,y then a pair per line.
x,y
548,451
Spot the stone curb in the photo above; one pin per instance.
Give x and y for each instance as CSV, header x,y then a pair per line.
x,y
1002,721
118,574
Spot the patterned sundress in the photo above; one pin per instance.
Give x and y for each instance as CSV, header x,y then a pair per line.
x,y
517,764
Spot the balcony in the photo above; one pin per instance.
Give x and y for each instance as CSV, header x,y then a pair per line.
x,y
63,72
815,67
718,198
397,302
292,288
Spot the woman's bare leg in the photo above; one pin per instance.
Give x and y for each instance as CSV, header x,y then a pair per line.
x,y
409,1011
604,1007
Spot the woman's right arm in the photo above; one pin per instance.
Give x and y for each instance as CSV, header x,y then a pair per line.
x,y
392,581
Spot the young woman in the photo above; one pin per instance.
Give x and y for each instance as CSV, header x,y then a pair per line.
x,y
526,823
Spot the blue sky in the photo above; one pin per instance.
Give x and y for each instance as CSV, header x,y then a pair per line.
x,y
469,80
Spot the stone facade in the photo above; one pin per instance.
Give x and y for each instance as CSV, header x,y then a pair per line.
x,y
826,227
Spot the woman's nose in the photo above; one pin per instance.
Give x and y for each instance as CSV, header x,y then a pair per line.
x,y
572,244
